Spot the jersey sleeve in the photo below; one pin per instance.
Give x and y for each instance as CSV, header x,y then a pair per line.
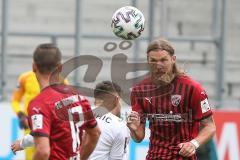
x,y
200,104
18,94
39,119
88,117
137,105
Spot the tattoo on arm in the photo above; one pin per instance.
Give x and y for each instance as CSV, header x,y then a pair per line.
x,y
207,121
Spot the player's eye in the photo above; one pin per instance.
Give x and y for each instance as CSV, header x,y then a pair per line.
x,y
164,60
152,60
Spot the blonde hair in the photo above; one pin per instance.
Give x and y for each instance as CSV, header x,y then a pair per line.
x,y
162,44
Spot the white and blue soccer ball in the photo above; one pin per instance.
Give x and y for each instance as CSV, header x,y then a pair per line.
x,y
128,23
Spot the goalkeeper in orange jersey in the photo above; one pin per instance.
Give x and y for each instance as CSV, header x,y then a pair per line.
x,y
25,91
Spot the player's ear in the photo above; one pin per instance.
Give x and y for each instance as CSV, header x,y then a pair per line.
x,y
174,58
116,100
59,68
34,67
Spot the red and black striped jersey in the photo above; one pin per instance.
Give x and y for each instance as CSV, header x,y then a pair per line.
x,y
174,111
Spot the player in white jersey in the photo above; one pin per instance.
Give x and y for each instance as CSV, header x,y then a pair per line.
x,y
115,135
113,142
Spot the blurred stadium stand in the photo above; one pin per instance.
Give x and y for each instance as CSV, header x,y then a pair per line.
x,y
188,18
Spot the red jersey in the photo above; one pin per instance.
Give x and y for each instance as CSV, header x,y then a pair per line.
x,y
64,135
173,111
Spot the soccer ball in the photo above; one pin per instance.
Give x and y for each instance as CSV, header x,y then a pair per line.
x,y
128,23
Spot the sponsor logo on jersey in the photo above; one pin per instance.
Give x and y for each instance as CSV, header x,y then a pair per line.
x,y
149,99
177,117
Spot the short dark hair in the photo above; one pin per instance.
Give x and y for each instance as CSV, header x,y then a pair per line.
x,y
106,87
47,57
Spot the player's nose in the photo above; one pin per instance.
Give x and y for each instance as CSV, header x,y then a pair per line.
x,y
159,64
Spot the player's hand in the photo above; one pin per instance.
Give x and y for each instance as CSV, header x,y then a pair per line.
x,y
16,146
187,149
133,121
23,120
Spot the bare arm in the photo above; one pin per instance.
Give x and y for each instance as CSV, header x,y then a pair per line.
x,y
89,142
136,127
26,141
208,130
139,134
42,148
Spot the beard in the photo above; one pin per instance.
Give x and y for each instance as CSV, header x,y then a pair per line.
x,y
163,78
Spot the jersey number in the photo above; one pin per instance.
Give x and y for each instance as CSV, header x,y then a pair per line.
x,y
75,127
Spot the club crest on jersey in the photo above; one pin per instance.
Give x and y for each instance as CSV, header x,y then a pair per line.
x,y
176,99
